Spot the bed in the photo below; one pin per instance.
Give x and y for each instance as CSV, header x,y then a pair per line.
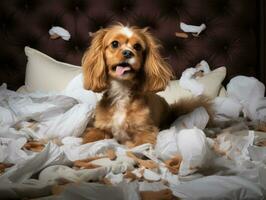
x,y
234,38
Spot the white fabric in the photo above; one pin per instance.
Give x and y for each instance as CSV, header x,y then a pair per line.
x,y
32,163
246,165
89,191
57,116
219,187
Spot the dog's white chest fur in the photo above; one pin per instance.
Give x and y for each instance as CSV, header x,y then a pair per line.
x,y
121,101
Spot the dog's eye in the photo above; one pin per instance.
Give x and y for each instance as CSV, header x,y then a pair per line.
x,y
115,44
137,47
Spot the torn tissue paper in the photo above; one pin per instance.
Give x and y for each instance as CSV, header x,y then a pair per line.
x,y
120,164
74,151
51,155
63,115
58,31
166,146
235,146
56,115
226,108
61,173
250,94
203,66
194,150
188,80
198,118
192,29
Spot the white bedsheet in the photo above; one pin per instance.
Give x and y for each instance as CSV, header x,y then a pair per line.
x,y
240,173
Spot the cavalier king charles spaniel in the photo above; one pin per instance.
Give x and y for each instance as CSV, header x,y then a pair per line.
x,y
125,63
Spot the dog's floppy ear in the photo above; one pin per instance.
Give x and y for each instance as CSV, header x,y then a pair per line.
x,y
93,64
157,71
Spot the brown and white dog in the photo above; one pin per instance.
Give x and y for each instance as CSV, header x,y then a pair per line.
x,y
125,63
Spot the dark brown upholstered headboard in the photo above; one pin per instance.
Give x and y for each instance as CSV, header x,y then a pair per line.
x,y
231,38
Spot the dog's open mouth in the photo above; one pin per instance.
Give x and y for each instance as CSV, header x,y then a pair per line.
x,y
122,68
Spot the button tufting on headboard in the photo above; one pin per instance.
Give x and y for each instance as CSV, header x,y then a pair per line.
x,y
231,37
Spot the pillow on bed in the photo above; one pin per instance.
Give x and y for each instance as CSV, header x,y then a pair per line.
x,y
212,83
45,74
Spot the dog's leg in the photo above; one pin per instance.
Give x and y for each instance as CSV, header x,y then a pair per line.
x,y
148,136
94,134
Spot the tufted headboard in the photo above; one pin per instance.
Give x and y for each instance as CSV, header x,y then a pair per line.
x,y
232,37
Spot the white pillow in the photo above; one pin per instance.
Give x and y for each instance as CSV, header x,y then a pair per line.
x,y
212,83
45,74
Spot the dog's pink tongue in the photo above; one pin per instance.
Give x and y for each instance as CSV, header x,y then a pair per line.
x,y
121,70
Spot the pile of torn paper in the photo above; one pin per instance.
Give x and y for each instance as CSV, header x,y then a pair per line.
x,y
41,154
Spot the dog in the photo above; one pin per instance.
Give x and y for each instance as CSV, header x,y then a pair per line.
x,y
126,64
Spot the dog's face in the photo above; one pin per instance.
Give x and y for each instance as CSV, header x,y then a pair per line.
x,y
124,53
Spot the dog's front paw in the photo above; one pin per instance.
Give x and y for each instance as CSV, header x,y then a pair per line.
x,y
94,134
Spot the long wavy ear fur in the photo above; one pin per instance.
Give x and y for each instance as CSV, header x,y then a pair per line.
x,y
157,71
93,64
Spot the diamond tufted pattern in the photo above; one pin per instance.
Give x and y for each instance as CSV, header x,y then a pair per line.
x,y
231,37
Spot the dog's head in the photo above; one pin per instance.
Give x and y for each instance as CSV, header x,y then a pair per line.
x,y
125,54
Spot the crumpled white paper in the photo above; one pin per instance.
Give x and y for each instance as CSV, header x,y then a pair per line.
x,y
249,92
245,95
151,175
192,28
203,66
63,33
11,152
226,108
51,155
56,115
59,173
115,178
197,118
194,150
246,168
235,146
166,146
187,81
120,164
79,152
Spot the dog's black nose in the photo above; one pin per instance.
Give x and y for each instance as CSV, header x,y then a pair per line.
x,y
127,54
